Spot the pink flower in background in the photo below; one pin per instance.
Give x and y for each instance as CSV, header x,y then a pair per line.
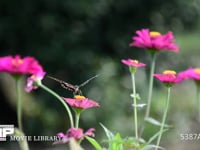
x,y
133,63
23,66
34,81
76,133
154,41
168,77
81,102
18,65
191,73
34,66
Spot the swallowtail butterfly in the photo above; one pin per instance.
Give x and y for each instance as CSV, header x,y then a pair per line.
x,y
70,87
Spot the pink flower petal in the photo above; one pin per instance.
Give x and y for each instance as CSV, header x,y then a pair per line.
x,y
133,63
84,103
90,132
144,39
76,133
168,77
33,81
18,65
61,135
191,73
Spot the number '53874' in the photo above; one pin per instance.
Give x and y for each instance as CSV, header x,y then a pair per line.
x,y
190,136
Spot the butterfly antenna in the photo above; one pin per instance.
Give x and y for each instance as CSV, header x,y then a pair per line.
x,y
84,83
60,81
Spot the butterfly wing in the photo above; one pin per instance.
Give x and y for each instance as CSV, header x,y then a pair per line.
x,y
64,84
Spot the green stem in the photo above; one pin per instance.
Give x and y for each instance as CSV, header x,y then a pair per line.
x,y
135,107
77,120
61,100
164,117
198,101
23,144
19,105
150,85
151,78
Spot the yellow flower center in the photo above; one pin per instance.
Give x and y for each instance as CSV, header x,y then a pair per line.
x,y
79,97
135,61
33,76
17,62
154,34
197,70
169,72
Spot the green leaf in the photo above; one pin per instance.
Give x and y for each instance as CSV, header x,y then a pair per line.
x,y
139,105
137,96
94,143
117,143
131,142
109,134
150,147
155,136
155,122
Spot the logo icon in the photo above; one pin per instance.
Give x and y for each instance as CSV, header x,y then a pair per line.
x,y
6,130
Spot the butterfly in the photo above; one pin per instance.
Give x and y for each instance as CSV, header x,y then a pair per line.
x,y
71,87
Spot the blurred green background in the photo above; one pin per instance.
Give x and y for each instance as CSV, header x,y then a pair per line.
x,y
75,40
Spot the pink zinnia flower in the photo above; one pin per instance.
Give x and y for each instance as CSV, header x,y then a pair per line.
x,y
154,41
191,73
17,65
81,102
76,133
132,63
168,77
34,81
